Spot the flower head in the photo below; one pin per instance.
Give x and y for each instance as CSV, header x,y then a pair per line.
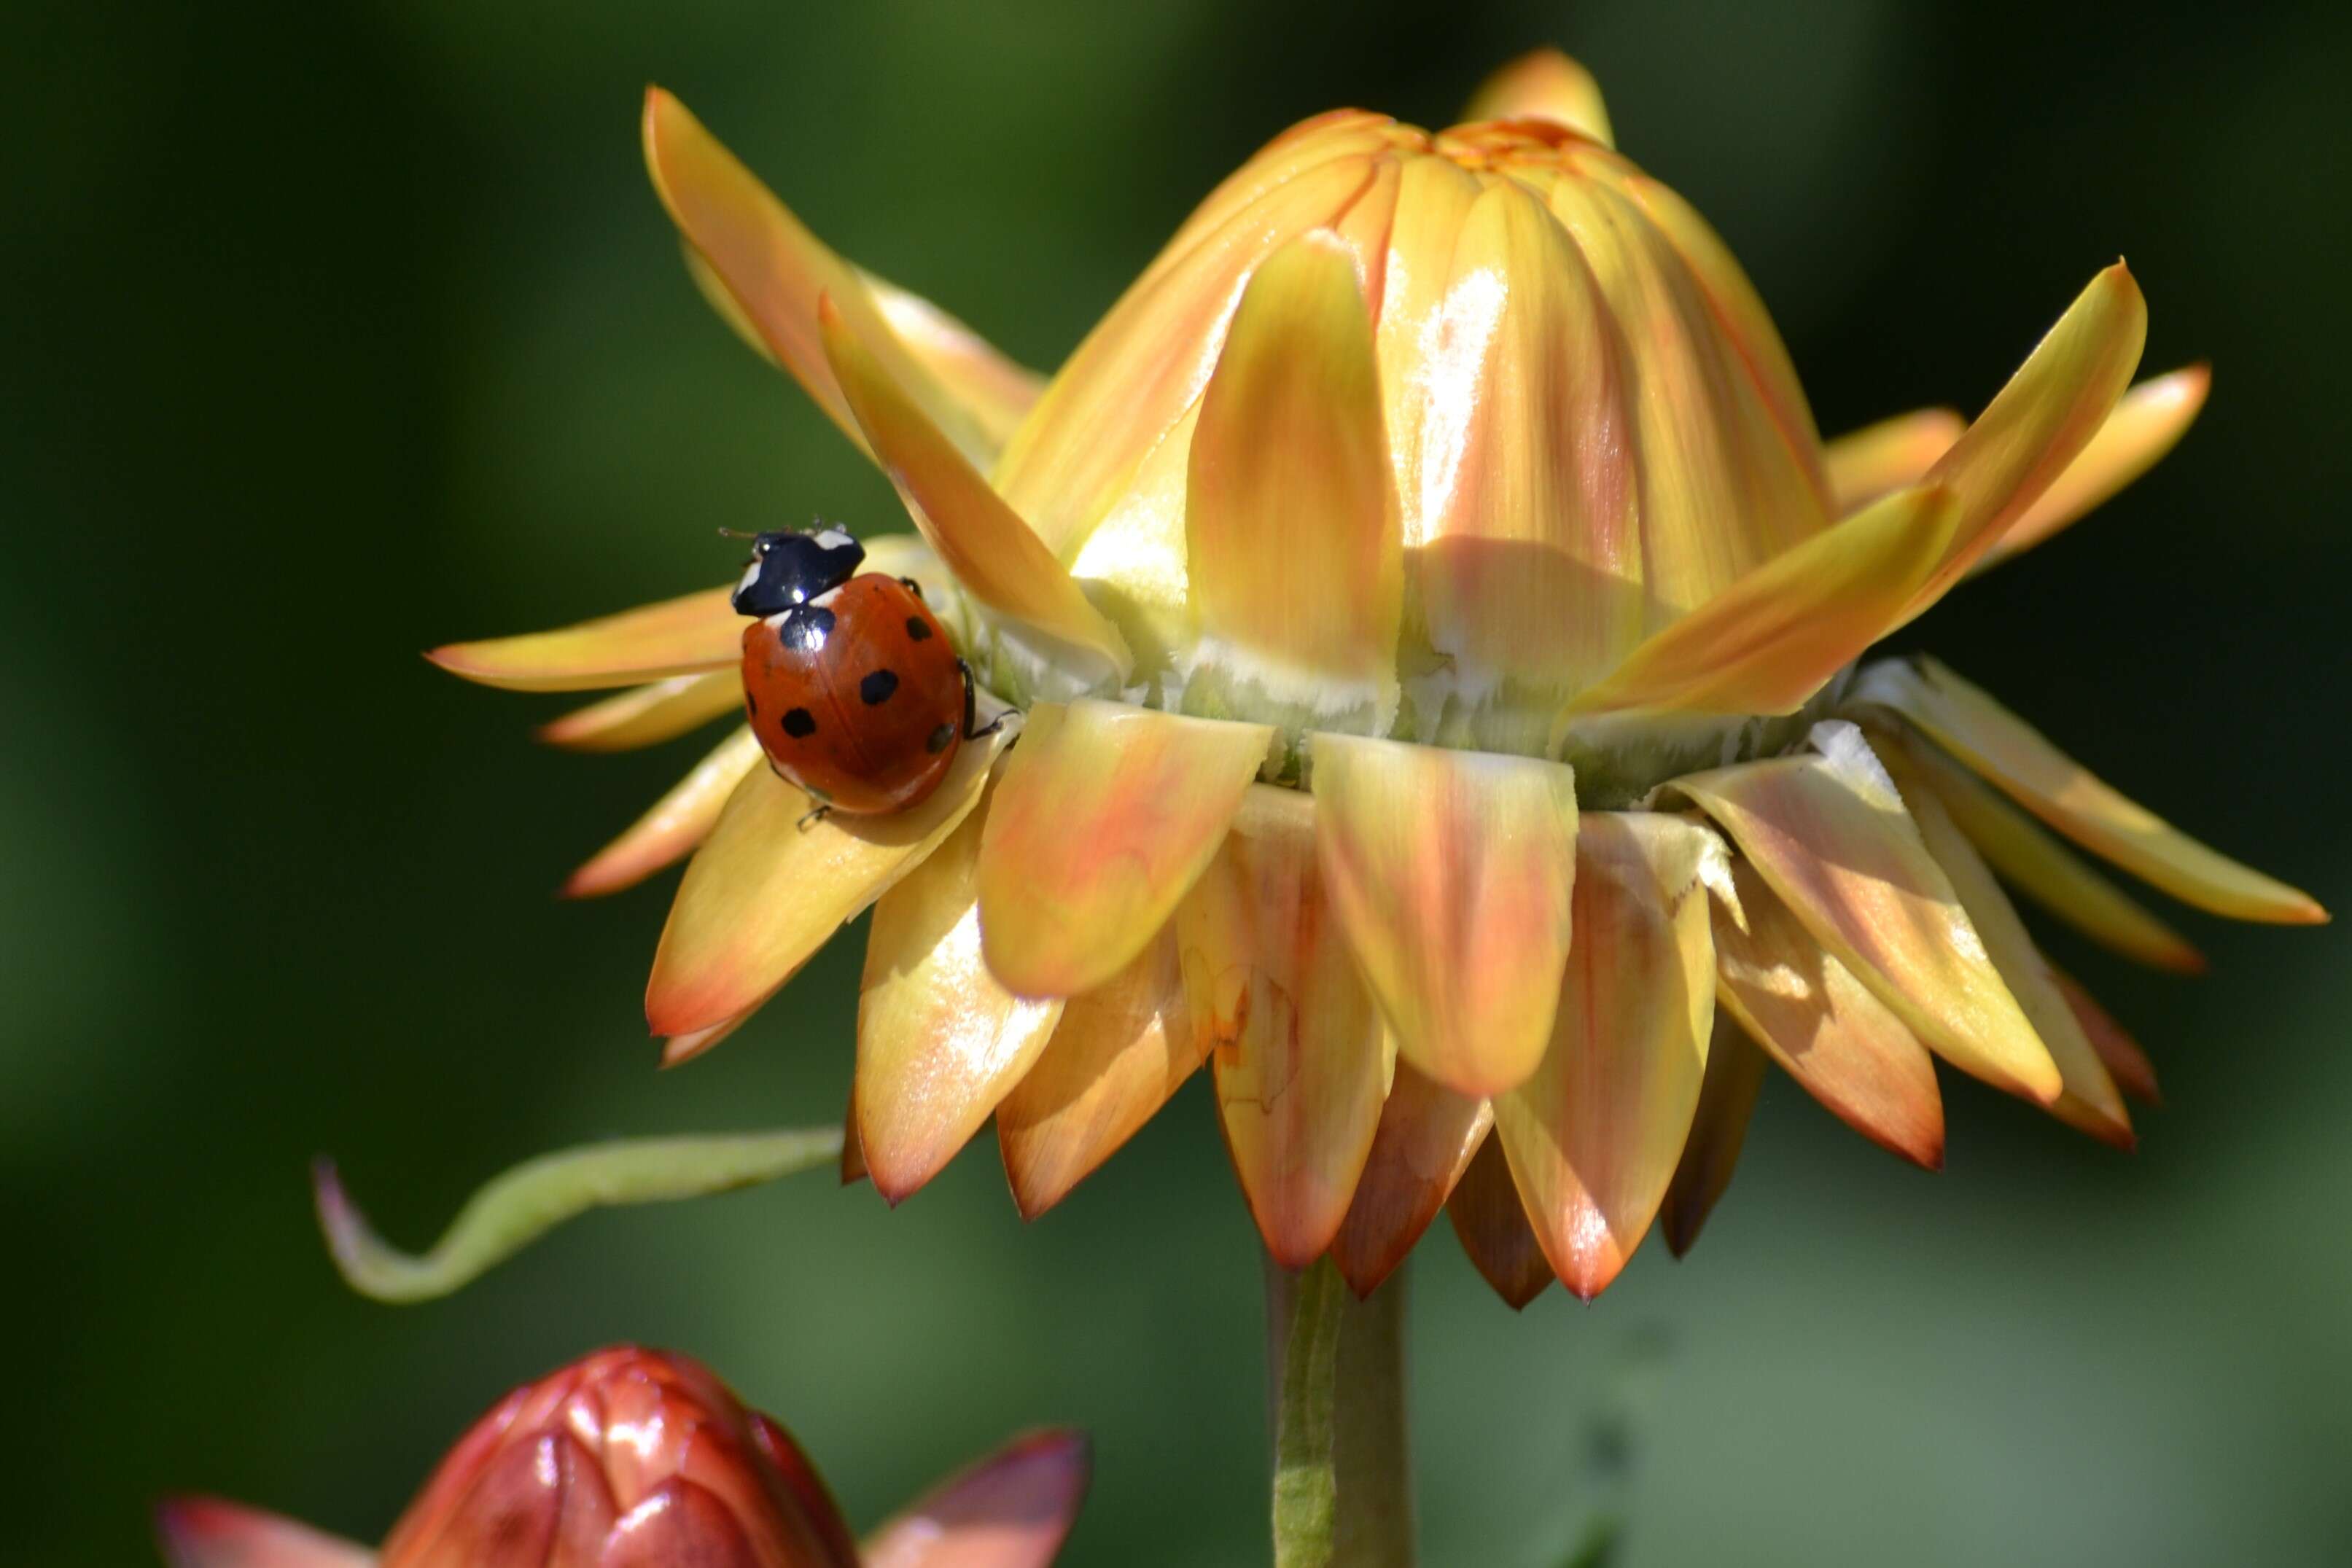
x,y
1432,624
636,1458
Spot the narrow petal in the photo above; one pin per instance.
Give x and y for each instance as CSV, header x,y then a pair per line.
x,y
206,1532
1735,1074
767,889
2091,1100
1828,835
1822,1026
1543,84
1450,872
1891,455
1593,1137
993,391
938,1041
1492,1226
1771,640
1012,1509
1967,722
1291,516
690,635
677,822
982,541
1105,814
1119,1051
2134,1073
1301,1058
2149,423
1426,1136
853,1152
648,714
680,1049
2044,870
2041,422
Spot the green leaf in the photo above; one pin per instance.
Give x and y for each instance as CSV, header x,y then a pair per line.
x,y
1306,1452
518,1208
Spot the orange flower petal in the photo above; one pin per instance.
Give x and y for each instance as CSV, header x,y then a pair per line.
x,y
1830,835
995,393
938,1041
1892,455
1966,721
1735,1074
2149,423
1772,639
1543,84
648,714
1594,1136
206,1532
689,635
1291,516
992,553
1301,1058
2134,1073
767,890
1426,1136
1450,872
1012,1509
2046,870
853,1152
1822,1026
1492,1228
1105,814
674,824
1119,1051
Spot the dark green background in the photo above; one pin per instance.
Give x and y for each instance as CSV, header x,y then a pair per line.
x,y
334,331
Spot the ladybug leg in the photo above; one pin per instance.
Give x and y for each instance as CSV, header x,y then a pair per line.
x,y
971,709
815,816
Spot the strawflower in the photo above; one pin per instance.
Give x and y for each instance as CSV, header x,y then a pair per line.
x,y
636,1459
1434,639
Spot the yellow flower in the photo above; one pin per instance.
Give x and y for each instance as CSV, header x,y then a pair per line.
x,y
1433,623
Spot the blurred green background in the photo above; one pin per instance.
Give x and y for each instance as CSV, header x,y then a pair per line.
x,y
335,331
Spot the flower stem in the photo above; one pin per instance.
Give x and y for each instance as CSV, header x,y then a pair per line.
x,y
1334,1400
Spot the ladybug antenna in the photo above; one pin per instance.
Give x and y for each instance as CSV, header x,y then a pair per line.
x,y
736,534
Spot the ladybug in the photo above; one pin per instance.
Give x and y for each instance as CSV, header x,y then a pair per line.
x,y
849,680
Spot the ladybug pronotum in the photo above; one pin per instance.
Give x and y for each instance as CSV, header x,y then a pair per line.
x,y
849,680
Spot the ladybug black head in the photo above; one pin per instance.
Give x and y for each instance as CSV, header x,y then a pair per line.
x,y
789,568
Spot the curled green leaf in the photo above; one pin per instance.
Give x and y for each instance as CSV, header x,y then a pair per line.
x,y
522,1205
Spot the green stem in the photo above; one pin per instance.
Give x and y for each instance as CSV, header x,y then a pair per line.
x,y
1335,1397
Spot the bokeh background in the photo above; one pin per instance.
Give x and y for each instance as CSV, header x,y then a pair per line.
x,y
334,331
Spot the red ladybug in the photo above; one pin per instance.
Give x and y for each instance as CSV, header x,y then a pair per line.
x,y
850,682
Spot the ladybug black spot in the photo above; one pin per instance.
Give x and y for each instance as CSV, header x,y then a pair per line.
x,y
918,629
805,628
938,740
878,687
800,724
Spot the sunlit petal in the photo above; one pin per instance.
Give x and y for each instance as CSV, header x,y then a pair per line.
x,y
1735,1072
1892,455
1594,1136
674,824
690,635
993,390
206,1532
1426,1136
1492,1228
1542,84
2149,421
1450,872
2134,1073
1012,1509
648,714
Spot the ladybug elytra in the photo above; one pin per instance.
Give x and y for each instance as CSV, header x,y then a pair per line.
x,y
850,682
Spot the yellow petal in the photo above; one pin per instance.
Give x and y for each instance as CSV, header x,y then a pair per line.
x,y
1892,455
1830,835
1107,813
1967,722
2149,421
2090,1101
2134,1073
648,714
2046,870
1300,1056
1543,84
1822,1026
995,393
979,539
1735,1072
1427,1135
680,1049
1119,1051
774,270
1492,1228
938,1041
1450,873
677,822
685,636
1291,518
2041,422
1772,639
1594,1136
768,888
